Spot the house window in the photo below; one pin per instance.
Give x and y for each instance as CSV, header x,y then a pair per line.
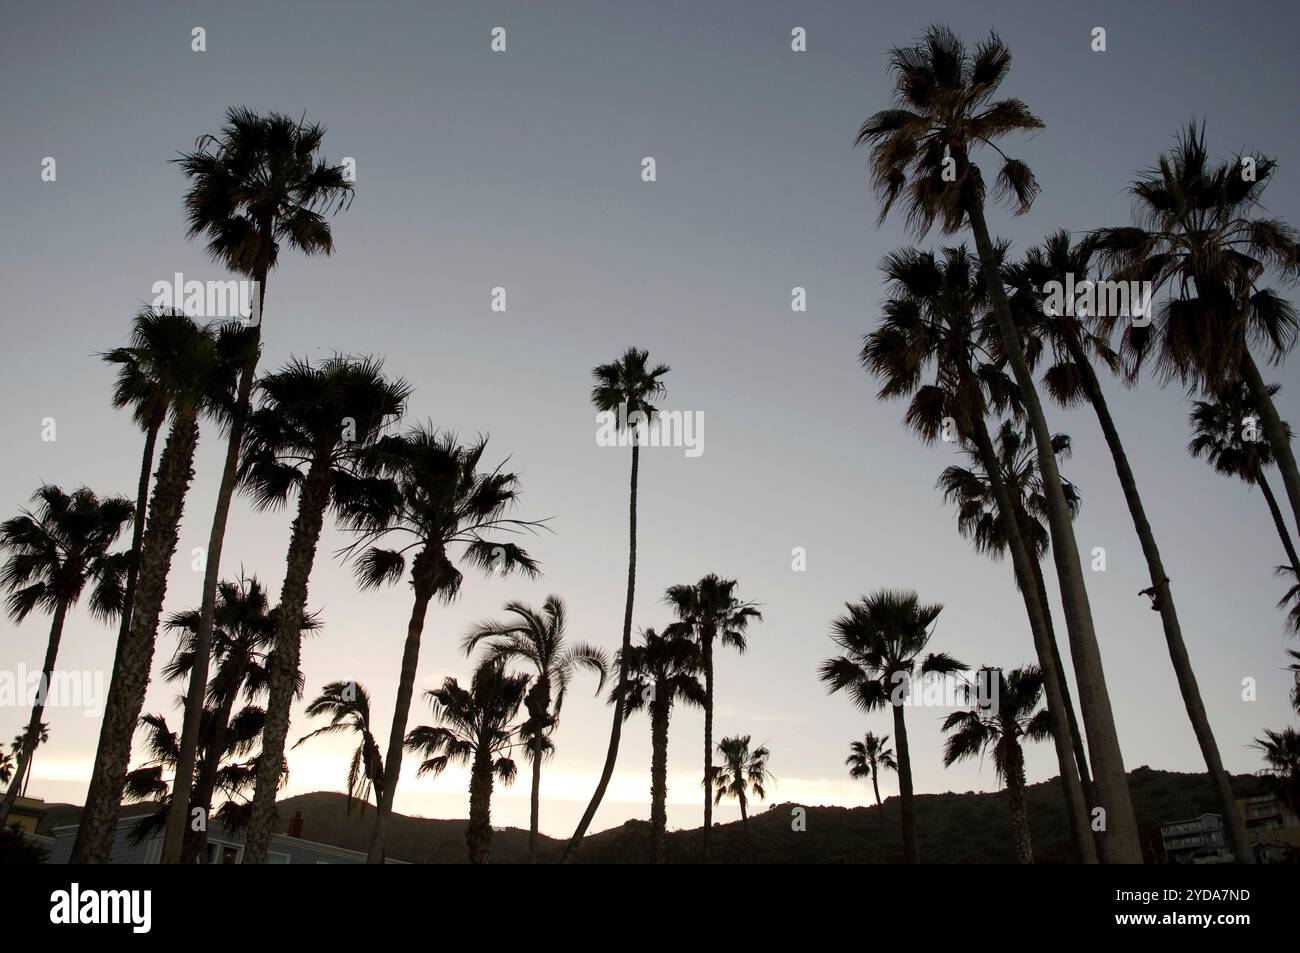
x,y
222,853
275,857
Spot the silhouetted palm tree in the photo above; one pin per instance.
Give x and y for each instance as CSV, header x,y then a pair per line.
x,y
444,501
937,345
921,152
661,670
1224,434
197,366
1200,234
1063,331
473,730
260,183
538,639
867,758
242,643
41,735
1282,755
710,612
997,722
743,772
313,422
348,705
882,637
627,389
56,548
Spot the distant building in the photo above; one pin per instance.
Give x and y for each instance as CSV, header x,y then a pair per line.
x,y
1273,829
26,814
224,847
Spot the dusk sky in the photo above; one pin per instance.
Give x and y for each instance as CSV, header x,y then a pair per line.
x,y
522,170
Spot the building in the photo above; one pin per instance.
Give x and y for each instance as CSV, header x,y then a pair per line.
x,y
1196,841
27,814
224,847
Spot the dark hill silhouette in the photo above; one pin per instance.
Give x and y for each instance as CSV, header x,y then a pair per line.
x,y
954,828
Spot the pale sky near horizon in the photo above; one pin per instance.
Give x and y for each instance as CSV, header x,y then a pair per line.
x,y
522,170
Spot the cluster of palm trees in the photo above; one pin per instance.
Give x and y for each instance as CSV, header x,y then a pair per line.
x,y
968,337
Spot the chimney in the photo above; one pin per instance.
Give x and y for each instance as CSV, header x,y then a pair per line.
x,y
295,825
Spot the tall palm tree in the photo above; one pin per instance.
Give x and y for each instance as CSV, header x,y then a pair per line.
x,y
936,345
313,423
881,637
538,639
473,729
348,705
867,758
626,388
921,151
1071,379
140,385
743,772
710,612
662,669
241,646
41,735
1221,437
999,727
1282,756
1200,234
258,184
445,501
57,547
197,366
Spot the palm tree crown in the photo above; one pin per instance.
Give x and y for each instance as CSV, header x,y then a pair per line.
x,y
348,706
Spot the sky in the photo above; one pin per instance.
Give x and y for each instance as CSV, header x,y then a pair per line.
x,y
522,170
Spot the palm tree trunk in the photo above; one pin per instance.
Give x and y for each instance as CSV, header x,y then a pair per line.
x,y
1019,805
284,666
135,655
1071,760
478,833
615,732
534,807
880,815
205,785
425,579
1274,432
137,530
32,736
177,814
911,855
1279,521
1109,778
1233,823
659,711
706,638
744,823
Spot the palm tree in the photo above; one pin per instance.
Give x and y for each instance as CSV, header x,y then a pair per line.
x,y
141,386
935,345
1198,233
709,611
662,669
882,637
42,735
1222,434
241,645
999,726
867,758
445,500
1072,379
348,705
627,389
313,423
921,151
538,639
473,728
57,547
258,184
196,365
742,773
1282,755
